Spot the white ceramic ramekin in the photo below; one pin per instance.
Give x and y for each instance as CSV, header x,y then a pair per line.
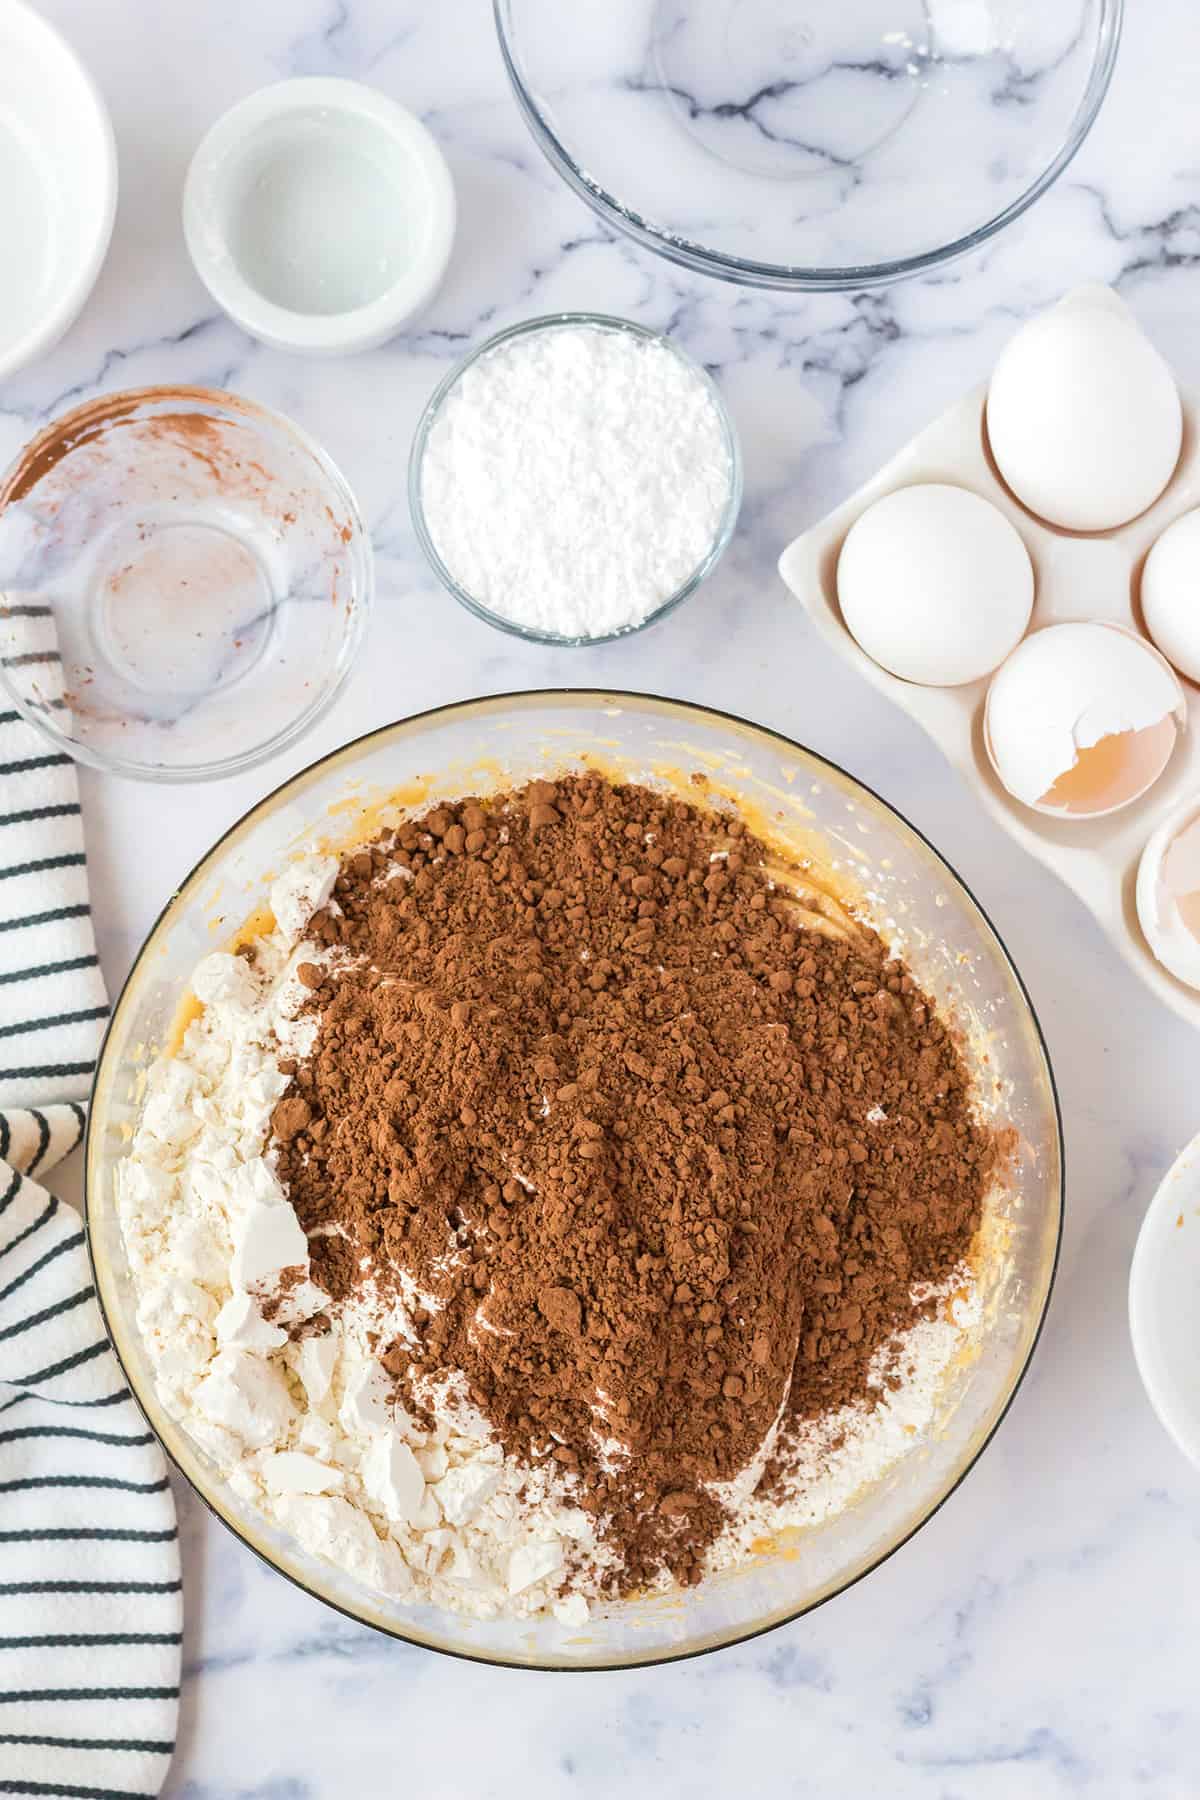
x,y
58,185
320,215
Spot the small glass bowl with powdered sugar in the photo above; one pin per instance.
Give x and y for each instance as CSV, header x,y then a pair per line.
x,y
575,478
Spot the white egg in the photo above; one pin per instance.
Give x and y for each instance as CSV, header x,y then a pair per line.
x,y
935,585
1171,594
1083,418
1082,719
1168,893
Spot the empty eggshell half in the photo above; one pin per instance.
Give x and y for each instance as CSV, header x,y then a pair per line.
x,y
1171,594
1082,719
935,585
1084,418
1168,893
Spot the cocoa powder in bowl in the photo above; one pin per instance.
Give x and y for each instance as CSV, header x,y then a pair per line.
x,y
667,1154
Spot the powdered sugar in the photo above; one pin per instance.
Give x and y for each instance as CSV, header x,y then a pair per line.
x,y
575,478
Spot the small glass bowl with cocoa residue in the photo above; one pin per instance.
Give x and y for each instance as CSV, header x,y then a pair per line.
x,y
184,583
821,820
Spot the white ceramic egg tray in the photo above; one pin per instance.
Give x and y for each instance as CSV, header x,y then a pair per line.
x,y
1078,576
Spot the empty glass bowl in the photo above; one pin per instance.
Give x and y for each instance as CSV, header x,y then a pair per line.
x,y
826,146
184,580
481,746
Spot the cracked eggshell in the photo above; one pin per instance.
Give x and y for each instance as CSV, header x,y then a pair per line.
x,y
1064,689
935,584
1084,418
1168,893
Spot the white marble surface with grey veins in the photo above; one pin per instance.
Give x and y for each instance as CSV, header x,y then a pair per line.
x,y
1038,1638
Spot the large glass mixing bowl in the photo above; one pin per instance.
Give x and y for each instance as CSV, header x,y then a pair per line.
x,y
916,900
810,147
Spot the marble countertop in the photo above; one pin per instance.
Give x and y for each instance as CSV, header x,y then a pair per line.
x,y
1037,1637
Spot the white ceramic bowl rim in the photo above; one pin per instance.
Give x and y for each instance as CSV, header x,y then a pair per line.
x,y
1161,1349
61,314
361,326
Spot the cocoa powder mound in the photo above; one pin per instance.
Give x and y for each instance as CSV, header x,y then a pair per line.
x,y
668,1153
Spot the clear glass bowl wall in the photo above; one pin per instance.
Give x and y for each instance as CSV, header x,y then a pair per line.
x,y
810,148
475,748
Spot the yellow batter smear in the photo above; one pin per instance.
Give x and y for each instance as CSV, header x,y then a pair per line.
x,y
258,924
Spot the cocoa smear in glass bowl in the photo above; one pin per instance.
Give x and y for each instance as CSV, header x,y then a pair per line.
x,y
184,583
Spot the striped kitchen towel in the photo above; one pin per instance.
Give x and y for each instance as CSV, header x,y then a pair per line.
x,y
52,999
90,1595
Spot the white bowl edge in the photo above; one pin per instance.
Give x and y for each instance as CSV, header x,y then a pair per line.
x,y
63,313
1164,1302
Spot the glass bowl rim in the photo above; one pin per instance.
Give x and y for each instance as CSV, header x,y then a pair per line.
x,y
558,321
359,545
599,696
746,272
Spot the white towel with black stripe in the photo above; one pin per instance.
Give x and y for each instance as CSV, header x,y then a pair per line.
x,y
90,1595
52,999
